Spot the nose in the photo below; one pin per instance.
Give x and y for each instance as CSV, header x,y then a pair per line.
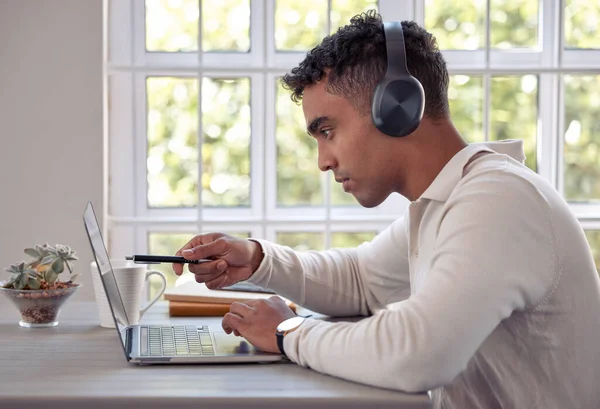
x,y
326,159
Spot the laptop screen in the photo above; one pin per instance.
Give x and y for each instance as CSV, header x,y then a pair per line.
x,y
106,272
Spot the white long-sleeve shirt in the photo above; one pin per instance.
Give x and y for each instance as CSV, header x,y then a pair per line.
x,y
485,293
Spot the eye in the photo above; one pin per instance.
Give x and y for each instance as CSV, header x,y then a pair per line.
x,y
326,133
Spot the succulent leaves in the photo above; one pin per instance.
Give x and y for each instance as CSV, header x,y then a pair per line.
x,y
48,262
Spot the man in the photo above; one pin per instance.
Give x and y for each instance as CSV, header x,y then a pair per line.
x,y
486,292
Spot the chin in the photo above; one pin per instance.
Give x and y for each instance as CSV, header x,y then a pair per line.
x,y
369,201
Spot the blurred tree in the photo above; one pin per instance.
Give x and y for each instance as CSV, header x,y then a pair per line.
x,y
582,138
460,25
302,241
298,176
593,237
582,19
465,96
514,112
172,147
456,24
172,25
226,117
514,23
343,10
225,25
347,239
299,25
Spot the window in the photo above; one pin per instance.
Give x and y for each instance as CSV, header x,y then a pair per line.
x,y
203,138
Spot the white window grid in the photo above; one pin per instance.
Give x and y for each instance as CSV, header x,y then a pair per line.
x,y
127,64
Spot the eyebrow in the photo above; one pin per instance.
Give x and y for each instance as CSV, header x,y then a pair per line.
x,y
315,123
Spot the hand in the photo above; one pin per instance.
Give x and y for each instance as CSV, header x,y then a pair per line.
x,y
257,321
234,259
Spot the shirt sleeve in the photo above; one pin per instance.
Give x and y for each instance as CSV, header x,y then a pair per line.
x,y
495,254
340,282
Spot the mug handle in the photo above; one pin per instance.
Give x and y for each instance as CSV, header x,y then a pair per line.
x,y
160,293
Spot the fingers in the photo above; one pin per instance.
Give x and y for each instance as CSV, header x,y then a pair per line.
x,y
211,249
195,241
214,267
234,319
226,327
218,282
177,267
208,271
229,330
240,309
231,276
233,323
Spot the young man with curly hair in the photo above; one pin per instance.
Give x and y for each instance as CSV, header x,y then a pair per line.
x,y
485,293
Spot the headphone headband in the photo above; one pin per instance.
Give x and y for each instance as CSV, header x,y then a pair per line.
x,y
394,44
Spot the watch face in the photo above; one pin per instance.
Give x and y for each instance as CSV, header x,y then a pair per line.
x,y
290,324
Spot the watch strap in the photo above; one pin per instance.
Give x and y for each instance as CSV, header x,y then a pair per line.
x,y
280,337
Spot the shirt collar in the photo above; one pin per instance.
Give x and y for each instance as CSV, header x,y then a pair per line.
x,y
452,172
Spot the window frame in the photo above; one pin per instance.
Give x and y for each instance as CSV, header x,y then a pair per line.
x,y
127,64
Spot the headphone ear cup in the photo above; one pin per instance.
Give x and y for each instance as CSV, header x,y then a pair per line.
x,y
397,105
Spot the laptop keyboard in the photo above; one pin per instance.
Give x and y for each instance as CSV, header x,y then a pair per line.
x,y
175,340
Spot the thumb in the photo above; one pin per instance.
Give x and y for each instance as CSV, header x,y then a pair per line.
x,y
208,250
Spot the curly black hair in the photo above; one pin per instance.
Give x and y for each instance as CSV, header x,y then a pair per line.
x,y
355,59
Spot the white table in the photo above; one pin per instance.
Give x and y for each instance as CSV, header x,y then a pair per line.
x,y
79,364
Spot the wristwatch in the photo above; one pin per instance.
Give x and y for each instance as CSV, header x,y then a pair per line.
x,y
285,327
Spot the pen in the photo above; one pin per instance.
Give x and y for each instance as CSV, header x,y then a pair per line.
x,y
148,259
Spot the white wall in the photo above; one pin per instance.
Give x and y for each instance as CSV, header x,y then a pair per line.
x,y
50,126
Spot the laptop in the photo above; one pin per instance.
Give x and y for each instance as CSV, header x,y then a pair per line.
x,y
166,344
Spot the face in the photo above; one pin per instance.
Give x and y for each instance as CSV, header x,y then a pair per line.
x,y
360,157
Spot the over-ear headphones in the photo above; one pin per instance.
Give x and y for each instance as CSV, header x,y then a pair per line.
x,y
398,100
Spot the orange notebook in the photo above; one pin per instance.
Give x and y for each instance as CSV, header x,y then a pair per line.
x,y
202,309
197,309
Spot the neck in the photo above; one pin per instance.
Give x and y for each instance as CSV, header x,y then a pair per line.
x,y
433,145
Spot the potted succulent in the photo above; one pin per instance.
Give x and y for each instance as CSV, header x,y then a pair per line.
x,y
34,286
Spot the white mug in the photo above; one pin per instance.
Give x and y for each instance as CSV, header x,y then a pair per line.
x,y
130,278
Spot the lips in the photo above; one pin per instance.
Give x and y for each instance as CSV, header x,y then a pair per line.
x,y
346,185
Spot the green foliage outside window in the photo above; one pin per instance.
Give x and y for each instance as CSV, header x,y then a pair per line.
x,y
514,113
460,25
300,241
582,138
593,237
172,161
343,239
582,18
172,25
301,25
